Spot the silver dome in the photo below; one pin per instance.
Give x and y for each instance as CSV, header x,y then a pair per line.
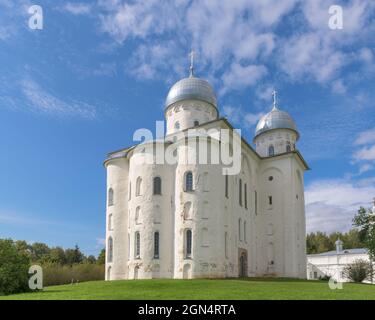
x,y
191,88
276,119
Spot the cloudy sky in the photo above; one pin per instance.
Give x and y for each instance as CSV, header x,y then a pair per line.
x,y
99,70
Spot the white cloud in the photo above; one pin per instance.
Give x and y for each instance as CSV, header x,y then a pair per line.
x,y
77,8
239,116
42,101
338,87
241,38
365,168
366,55
366,137
239,76
366,153
331,204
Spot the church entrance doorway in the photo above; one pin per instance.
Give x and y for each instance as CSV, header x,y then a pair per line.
x,y
242,263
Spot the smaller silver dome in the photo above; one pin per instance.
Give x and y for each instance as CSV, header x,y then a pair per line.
x,y
275,119
191,88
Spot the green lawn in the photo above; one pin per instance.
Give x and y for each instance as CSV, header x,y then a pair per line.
x,y
252,288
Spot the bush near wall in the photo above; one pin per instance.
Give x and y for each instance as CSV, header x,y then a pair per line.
x,y
55,274
14,268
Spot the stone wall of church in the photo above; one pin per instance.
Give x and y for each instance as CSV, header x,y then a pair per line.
x,y
116,222
282,218
263,231
150,213
185,114
278,139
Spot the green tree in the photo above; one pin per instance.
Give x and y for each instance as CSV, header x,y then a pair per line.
x,y
90,259
364,220
14,267
74,255
39,251
101,257
56,255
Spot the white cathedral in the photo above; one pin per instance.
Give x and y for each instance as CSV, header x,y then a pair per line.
x,y
188,221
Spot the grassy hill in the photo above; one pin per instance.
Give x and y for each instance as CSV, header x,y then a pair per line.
x,y
252,288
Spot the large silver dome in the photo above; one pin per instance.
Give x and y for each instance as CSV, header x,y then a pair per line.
x,y
191,88
276,119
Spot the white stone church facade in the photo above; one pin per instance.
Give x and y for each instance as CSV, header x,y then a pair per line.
x,y
193,221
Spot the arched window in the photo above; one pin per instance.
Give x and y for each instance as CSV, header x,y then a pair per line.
x,y
177,125
188,243
138,215
110,221
240,192
288,147
156,245
245,185
226,186
239,229
157,185
137,250
187,210
244,231
189,181
110,250
196,123
138,190
271,151
110,197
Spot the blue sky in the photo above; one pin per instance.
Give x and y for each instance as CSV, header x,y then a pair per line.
x,y
99,70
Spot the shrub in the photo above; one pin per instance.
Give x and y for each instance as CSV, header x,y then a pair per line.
x,y
14,268
55,274
358,271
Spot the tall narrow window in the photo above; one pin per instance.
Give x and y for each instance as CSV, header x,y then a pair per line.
x,y
244,231
156,245
226,186
177,125
240,229
110,250
256,202
188,243
130,190
138,218
110,221
157,185
137,245
138,186
189,181
271,151
240,192
270,200
245,195
110,197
